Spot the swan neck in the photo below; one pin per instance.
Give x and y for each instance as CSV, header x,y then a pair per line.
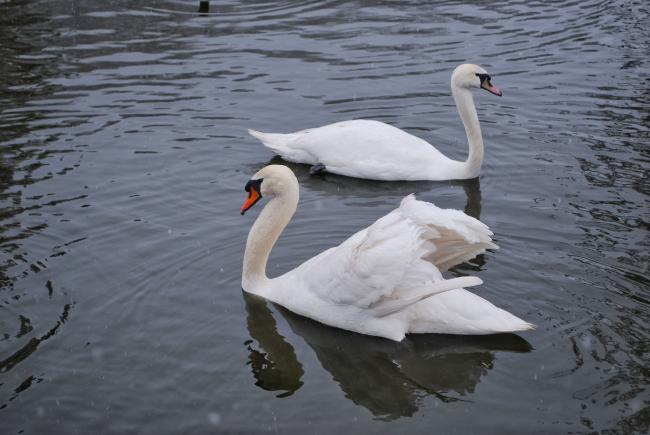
x,y
467,111
262,237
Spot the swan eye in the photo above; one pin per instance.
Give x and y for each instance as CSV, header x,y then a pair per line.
x,y
255,185
484,77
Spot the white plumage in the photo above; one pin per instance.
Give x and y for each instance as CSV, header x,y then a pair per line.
x,y
375,150
386,279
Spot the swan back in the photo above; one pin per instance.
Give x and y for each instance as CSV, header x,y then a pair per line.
x,y
384,269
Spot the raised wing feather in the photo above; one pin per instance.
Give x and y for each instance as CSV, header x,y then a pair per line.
x,y
395,262
456,236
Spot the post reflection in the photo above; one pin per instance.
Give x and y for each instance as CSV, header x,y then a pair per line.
x,y
387,378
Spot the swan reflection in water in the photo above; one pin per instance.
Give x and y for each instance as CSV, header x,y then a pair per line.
x,y
275,365
387,378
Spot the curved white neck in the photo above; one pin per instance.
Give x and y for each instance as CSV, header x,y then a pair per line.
x,y
264,233
467,111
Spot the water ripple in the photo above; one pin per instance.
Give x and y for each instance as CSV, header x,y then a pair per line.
x,y
123,155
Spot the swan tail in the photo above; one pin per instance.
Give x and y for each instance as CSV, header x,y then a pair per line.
x,y
526,326
280,144
389,307
465,313
275,141
506,325
502,322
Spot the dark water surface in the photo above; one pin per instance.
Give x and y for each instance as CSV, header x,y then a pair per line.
x,y
123,153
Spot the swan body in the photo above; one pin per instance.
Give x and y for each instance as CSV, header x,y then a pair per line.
x,y
375,150
386,279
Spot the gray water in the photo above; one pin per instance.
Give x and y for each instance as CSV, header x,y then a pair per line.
x,y
124,153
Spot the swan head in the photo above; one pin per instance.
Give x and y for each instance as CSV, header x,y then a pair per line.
x,y
467,76
272,180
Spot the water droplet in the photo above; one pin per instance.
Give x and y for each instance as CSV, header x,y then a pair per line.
x,y
214,418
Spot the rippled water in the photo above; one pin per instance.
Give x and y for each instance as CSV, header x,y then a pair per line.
x,y
123,154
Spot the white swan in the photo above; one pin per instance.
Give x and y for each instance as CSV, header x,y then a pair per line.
x,y
385,280
378,151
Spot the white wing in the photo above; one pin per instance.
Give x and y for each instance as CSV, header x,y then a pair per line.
x,y
396,261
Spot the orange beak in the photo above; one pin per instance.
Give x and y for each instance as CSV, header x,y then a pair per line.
x,y
253,196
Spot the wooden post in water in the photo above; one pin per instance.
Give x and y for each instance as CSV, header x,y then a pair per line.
x,y
204,6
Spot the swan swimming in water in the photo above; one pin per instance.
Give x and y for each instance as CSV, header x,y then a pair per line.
x,y
386,279
378,151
